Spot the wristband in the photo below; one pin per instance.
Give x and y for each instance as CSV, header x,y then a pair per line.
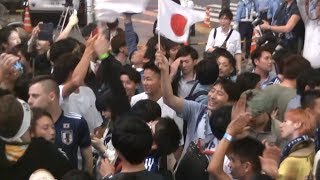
x,y
227,137
269,27
103,56
109,176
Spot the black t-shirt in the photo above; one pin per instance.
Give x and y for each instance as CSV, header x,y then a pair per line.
x,y
39,154
140,175
283,15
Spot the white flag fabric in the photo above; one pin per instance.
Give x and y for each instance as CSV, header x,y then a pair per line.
x,y
109,10
174,21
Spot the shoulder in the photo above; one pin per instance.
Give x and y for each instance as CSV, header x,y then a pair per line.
x,y
72,115
138,97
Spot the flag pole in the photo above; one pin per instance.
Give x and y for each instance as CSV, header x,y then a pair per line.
x,y
159,7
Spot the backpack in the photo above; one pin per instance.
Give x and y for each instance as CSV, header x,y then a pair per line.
x,y
193,96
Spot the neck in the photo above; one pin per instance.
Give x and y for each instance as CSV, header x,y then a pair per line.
x,y
138,65
55,112
261,73
290,83
127,167
188,77
156,96
121,57
225,29
294,136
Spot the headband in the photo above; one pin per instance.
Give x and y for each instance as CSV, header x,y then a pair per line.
x,y
24,125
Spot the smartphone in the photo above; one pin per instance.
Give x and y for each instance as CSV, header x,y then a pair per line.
x,y
18,66
48,27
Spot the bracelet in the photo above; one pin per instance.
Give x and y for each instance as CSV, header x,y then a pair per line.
x,y
227,137
109,176
103,56
269,27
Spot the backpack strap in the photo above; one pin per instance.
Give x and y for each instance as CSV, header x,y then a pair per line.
x,y
194,96
215,33
192,90
224,44
203,110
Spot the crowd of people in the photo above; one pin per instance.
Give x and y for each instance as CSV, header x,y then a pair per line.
x,y
112,108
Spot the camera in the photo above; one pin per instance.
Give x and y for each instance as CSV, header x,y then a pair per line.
x,y
257,22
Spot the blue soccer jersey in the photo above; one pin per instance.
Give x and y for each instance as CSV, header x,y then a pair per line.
x,y
72,131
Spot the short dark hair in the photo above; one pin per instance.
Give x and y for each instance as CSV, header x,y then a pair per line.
x,y
308,98
68,45
247,80
5,33
132,137
133,74
64,65
256,54
309,78
226,12
187,50
38,113
230,88
279,57
248,150
87,30
151,66
11,115
167,136
207,72
21,86
218,52
48,82
147,110
117,42
219,120
294,65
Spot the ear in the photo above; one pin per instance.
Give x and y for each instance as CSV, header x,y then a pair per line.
x,y
121,49
52,96
297,125
247,167
255,61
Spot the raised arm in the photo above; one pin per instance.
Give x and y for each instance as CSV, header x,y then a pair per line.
x,y
81,69
302,8
176,103
130,35
73,20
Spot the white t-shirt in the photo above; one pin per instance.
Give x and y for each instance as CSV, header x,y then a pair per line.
x,y
233,43
312,43
83,103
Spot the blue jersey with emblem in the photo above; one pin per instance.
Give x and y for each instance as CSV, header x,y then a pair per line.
x,y
72,131
151,163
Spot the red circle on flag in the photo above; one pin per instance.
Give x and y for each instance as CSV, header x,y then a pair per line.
x,y
178,24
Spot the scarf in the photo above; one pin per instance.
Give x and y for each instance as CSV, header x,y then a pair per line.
x,y
287,149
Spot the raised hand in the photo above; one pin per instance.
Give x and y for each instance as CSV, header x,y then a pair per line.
x,y
162,62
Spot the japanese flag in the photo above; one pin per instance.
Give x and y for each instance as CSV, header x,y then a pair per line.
x,y
174,21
